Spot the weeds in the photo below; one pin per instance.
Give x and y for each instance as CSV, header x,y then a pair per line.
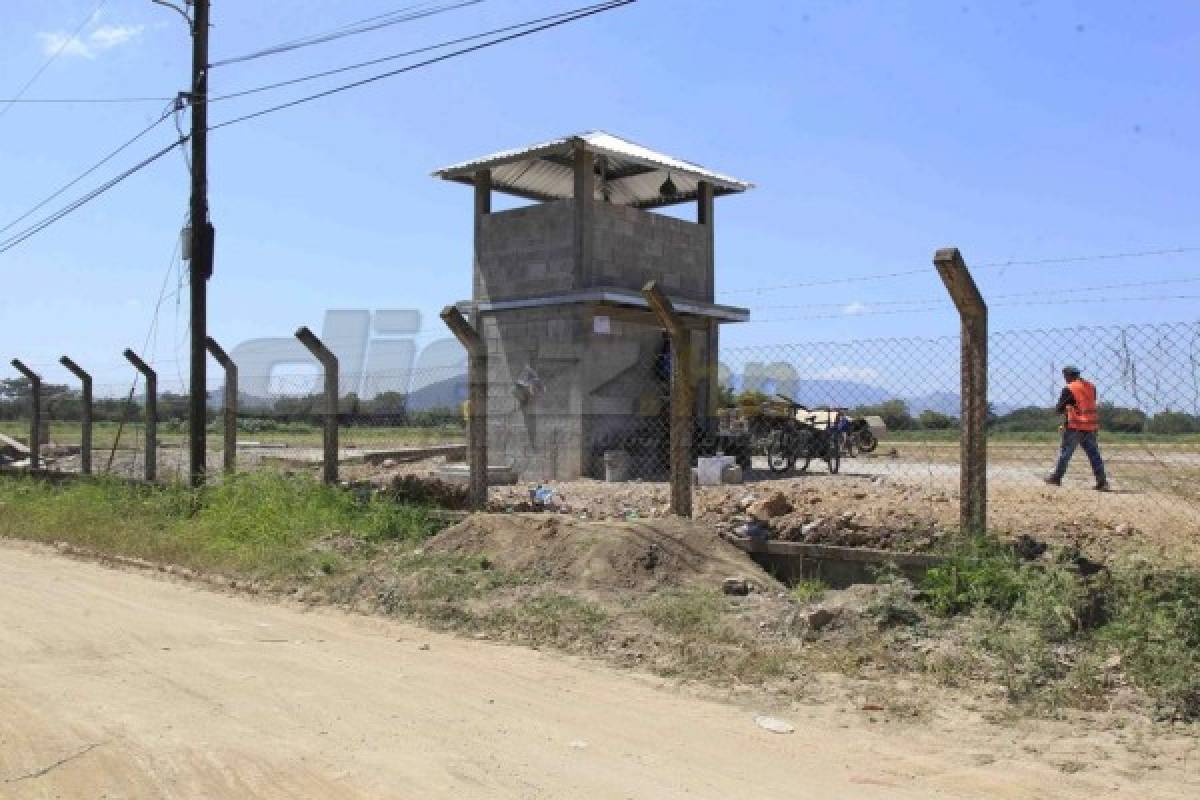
x,y
809,591
688,612
1049,631
260,523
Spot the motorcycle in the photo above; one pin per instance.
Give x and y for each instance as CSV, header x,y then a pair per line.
x,y
797,438
859,435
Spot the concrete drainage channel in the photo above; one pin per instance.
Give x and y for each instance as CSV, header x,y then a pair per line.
x,y
838,567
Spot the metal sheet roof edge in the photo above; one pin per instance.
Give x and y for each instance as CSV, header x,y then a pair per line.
x,y
625,297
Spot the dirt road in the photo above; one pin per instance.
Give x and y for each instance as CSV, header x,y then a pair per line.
x,y
117,684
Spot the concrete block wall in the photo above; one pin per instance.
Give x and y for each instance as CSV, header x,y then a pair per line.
x,y
595,388
540,435
529,252
625,401
631,246
526,252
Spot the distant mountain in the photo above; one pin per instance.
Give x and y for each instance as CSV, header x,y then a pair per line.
x,y
950,403
941,402
816,392
450,393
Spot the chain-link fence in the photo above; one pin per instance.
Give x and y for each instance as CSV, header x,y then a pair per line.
x,y
900,402
858,434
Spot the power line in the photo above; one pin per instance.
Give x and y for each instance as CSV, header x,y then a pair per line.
x,y
986,264
1171,251
406,14
74,205
53,57
598,9
90,169
74,100
14,240
407,53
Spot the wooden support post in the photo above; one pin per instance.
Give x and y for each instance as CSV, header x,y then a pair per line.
x,y
231,402
35,408
974,364
329,364
151,467
682,398
477,456
85,446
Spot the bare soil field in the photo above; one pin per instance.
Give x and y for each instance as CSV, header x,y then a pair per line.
x,y
124,684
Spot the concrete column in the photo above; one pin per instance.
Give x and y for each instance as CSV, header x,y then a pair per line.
x,y
683,404
231,402
329,364
85,442
483,207
35,418
585,191
973,442
477,402
704,217
151,458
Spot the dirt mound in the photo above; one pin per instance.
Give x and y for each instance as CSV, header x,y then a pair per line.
x,y
640,555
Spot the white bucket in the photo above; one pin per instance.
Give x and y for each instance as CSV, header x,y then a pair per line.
x,y
708,470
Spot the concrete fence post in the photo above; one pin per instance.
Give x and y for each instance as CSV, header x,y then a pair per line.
x,y
974,365
231,402
329,363
85,415
683,401
151,467
35,408
477,390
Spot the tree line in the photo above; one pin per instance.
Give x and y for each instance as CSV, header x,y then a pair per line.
x,y
897,416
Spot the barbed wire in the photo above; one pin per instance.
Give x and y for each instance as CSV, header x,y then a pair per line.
x,y
865,311
985,264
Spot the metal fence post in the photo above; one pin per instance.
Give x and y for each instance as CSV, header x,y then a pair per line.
x,y
477,457
329,363
973,442
85,415
35,404
231,402
151,377
683,402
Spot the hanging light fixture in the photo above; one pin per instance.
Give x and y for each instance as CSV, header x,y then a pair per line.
x,y
668,188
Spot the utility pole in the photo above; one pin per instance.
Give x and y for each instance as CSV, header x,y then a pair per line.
x,y
201,265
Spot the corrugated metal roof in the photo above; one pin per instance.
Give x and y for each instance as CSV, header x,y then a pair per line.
x,y
633,174
614,297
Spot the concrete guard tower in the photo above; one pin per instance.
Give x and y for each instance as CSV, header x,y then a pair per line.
x,y
573,349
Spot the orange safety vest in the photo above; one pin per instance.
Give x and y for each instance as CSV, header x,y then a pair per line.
x,y
1083,416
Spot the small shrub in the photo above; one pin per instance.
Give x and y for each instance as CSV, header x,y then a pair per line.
x,y
809,591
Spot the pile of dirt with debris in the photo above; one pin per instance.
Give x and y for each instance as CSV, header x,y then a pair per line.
x,y
819,515
611,555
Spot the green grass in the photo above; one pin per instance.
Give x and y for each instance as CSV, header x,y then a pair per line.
x,y
290,434
260,523
1050,632
809,591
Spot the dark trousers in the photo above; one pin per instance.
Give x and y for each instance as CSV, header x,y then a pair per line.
x,y
1087,440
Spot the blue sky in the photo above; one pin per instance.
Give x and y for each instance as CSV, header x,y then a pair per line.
x,y
876,132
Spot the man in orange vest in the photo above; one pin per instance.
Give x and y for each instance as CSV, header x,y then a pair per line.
x,y
1078,402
